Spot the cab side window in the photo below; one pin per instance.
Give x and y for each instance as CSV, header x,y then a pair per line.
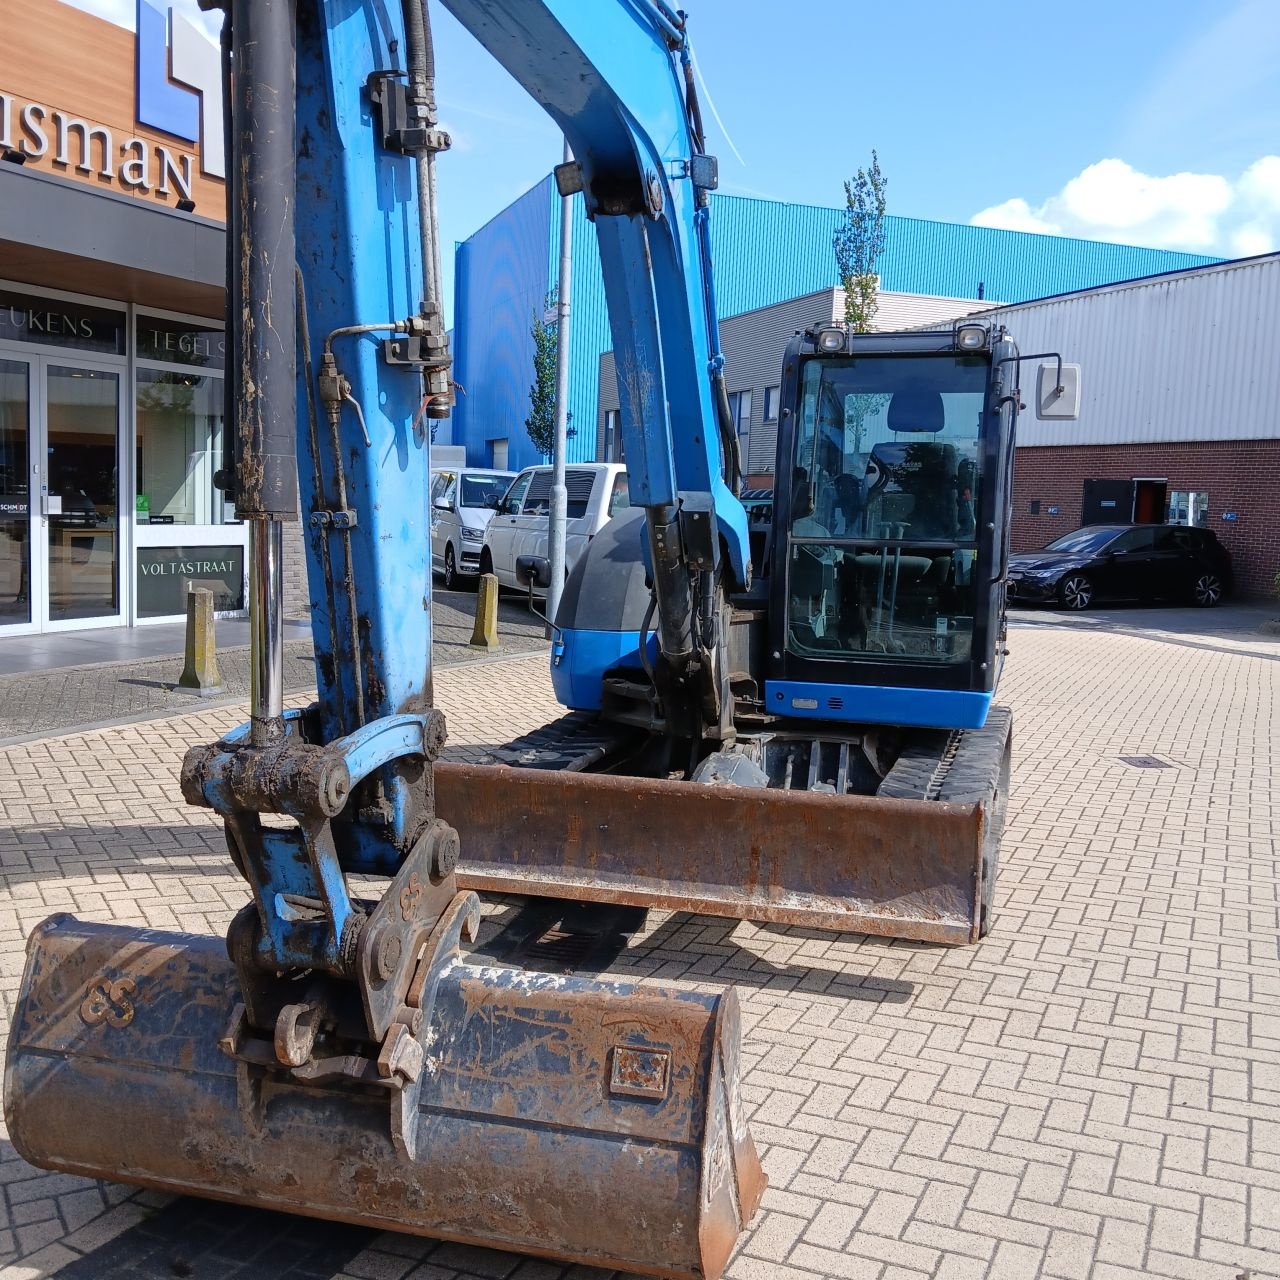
x,y
578,492
515,495
538,501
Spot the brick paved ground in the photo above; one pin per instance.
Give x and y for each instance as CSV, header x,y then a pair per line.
x,y
44,702
1092,1091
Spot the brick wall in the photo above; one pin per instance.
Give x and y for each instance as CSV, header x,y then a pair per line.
x,y
1239,475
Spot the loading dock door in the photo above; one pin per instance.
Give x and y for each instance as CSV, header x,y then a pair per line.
x,y
1149,501
1108,502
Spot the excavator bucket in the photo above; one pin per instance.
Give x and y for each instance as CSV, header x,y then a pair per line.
x,y
593,1122
901,868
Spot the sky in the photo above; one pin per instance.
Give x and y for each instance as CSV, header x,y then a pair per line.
x,y
1128,122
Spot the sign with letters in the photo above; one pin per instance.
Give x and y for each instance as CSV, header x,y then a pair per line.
x,y
181,342
53,322
168,140
166,574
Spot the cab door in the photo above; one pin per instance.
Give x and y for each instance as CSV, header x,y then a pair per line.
x,y
533,526
503,529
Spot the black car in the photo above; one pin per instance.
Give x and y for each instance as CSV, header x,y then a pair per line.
x,y
1123,562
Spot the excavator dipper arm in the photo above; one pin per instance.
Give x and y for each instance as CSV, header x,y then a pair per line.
x,y
616,79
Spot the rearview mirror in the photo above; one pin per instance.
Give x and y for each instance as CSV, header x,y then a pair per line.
x,y
492,501
1058,392
442,504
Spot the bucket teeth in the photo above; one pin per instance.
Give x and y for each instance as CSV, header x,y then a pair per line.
x,y
596,1122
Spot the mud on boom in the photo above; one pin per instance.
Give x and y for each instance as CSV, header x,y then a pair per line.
x,y
334,1055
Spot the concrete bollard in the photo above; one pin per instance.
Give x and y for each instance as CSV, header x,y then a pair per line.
x,y
200,674
485,633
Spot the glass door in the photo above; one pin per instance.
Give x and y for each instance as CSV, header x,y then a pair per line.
x,y
80,494
16,517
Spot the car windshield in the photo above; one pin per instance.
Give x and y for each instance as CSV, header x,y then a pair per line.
x,y
885,490
475,489
1087,541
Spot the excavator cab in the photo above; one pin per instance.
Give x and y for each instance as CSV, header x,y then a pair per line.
x,y
886,601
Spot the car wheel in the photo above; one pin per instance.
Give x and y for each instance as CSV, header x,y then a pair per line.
x,y
486,561
1075,592
1207,590
450,569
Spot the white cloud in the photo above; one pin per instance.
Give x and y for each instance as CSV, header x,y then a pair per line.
x,y
1195,212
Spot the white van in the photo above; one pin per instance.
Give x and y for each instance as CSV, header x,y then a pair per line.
x,y
516,539
462,501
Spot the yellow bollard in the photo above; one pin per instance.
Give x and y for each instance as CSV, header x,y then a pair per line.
x,y
200,674
485,633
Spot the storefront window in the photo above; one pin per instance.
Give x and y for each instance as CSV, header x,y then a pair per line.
x,y
179,418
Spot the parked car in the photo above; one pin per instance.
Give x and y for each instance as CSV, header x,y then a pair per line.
x,y
516,539
461,507
1124,562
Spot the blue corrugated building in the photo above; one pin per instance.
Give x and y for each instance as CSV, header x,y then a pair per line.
x,y
765,252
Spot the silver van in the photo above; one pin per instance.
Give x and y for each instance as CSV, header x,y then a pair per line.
x,y
516,539
462,502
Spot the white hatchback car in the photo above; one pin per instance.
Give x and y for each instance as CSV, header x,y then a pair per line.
x,y
461,505
516,539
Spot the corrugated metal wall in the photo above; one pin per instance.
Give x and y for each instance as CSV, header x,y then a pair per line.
x,y
588,328
1184,357
918,310
500,284
765,252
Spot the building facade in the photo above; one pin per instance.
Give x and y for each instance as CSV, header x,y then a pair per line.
x,y
754,344
1180,406
1180,411
765,252
112,268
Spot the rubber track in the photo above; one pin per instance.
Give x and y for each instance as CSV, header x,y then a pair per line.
x,y
961,767
572,743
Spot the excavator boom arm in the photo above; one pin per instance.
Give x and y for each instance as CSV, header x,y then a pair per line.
x,y
614,78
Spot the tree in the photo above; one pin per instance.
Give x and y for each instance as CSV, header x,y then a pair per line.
x,y
541,422
858,243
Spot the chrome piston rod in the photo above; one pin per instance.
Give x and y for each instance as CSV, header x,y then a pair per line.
x,y
266,632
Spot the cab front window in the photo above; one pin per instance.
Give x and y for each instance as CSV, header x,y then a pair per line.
x,y
885,488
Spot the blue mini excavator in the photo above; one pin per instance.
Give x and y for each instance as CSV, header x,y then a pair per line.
x,y
796,728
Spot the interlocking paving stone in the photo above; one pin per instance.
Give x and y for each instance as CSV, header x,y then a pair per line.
x,y
43,702
1093,1091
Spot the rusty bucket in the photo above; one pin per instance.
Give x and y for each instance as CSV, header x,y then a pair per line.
x,y
593,1122
895,868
